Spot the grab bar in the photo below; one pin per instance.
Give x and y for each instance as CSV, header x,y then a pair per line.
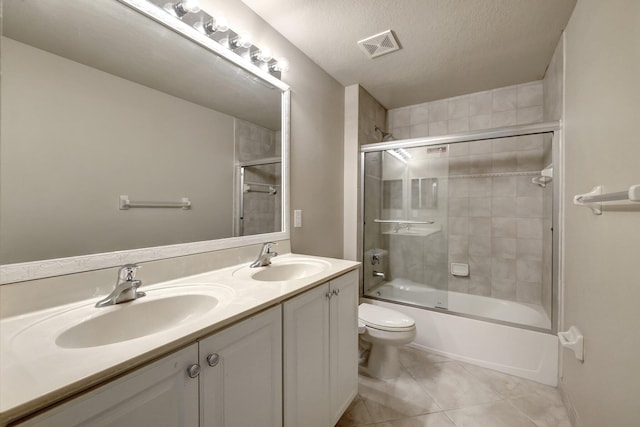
x,y
401,221
126,204
594,198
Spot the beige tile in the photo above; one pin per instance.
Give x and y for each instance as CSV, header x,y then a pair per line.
x,y
399,117
413,357
480,187
528,270
480,206
529,292
503,186
451,385
480,285
529,207
525,188
529,94
397,398
496,414
438,128
504,161
459,187
529,115
430,420
439,111
480,245
480,147
459,149
458,165
504,289
503,268
480,266
419,130
529,248
481,103
480,122
506,385
480,163
503,118
356,414
419,114
529,228
545,408
503,227
459,284
459,206
459,107
403,132
458,125
458,226
530,160
503,207
504,99
458,245
502,247
479,226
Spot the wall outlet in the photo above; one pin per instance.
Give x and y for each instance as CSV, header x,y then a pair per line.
x,y
297,218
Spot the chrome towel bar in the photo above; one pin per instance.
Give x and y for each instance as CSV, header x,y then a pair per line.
x,y
125,204
595,198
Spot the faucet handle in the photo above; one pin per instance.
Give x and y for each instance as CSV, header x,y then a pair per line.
x,y
128,272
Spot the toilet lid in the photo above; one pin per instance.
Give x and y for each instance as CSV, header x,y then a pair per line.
x,y
384,318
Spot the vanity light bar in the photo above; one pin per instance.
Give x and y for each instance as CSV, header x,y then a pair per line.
x,y
217,29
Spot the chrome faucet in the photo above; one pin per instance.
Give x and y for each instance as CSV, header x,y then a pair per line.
x,y
126,287
265,256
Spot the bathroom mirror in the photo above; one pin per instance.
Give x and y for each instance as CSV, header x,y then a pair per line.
x,y
108,114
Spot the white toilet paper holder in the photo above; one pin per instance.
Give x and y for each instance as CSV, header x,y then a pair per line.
x,y
573,339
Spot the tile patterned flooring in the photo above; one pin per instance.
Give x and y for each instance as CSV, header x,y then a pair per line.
x,y
434,391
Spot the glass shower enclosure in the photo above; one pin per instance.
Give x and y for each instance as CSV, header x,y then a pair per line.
x,y
464,226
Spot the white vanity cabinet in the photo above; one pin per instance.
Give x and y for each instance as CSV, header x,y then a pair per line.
x,y
320,334
159,394
241,376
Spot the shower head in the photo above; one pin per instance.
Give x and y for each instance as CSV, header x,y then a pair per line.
x,y
385,136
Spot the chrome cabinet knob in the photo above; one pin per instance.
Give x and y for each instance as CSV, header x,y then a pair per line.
x,y
213,359
193,371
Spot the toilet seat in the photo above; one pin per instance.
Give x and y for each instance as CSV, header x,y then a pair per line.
x,y
384,319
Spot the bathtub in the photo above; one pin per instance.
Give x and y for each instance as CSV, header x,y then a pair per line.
x,y
405,291
510,349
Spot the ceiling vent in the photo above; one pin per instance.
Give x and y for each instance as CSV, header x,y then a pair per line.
x,y
379,44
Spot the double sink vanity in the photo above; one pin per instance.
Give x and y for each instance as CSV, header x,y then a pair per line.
x,y
272,345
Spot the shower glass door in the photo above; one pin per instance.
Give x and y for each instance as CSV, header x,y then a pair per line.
x,y
405,225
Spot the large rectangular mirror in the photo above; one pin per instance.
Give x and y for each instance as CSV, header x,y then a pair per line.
x,y
120,133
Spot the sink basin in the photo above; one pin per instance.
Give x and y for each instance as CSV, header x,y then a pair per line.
x,y
135,321
161,310
283,270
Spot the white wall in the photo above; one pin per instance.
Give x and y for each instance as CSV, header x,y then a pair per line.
x,y
75,138
601,283
317,134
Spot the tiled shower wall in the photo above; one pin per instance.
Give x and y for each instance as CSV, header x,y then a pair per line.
x,y
495,223
262,211
507,106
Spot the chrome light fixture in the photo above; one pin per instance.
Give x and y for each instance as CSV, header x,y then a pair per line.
x,y
218,24
183,7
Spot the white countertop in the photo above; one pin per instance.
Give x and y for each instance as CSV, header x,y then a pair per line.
x,y
36,372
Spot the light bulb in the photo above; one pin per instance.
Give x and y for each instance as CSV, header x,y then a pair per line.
x,y
186,6
218,24
264,55
281,65
243,40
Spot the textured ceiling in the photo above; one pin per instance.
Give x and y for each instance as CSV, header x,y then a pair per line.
x,y
449,47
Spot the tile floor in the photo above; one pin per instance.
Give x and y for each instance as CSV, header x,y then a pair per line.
x,y
434,391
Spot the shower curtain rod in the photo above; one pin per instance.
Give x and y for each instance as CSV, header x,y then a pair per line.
x,y
463,137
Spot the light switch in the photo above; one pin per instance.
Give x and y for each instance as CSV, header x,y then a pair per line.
x,y
297,218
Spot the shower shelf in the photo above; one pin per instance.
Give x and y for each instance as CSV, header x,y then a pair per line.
x,y
401,221
595,198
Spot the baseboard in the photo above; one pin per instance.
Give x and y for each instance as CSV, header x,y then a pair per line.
x,y
571,410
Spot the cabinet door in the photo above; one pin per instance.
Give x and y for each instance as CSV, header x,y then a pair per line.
x,y
306,359
160,394
244,386
343,343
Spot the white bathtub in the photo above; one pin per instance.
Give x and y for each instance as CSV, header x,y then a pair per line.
x,y
403,290
516,351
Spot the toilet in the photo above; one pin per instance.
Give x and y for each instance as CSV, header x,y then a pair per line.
x,y
382,332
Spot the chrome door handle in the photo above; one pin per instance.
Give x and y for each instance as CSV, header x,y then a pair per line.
x,y
193,371
213,359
